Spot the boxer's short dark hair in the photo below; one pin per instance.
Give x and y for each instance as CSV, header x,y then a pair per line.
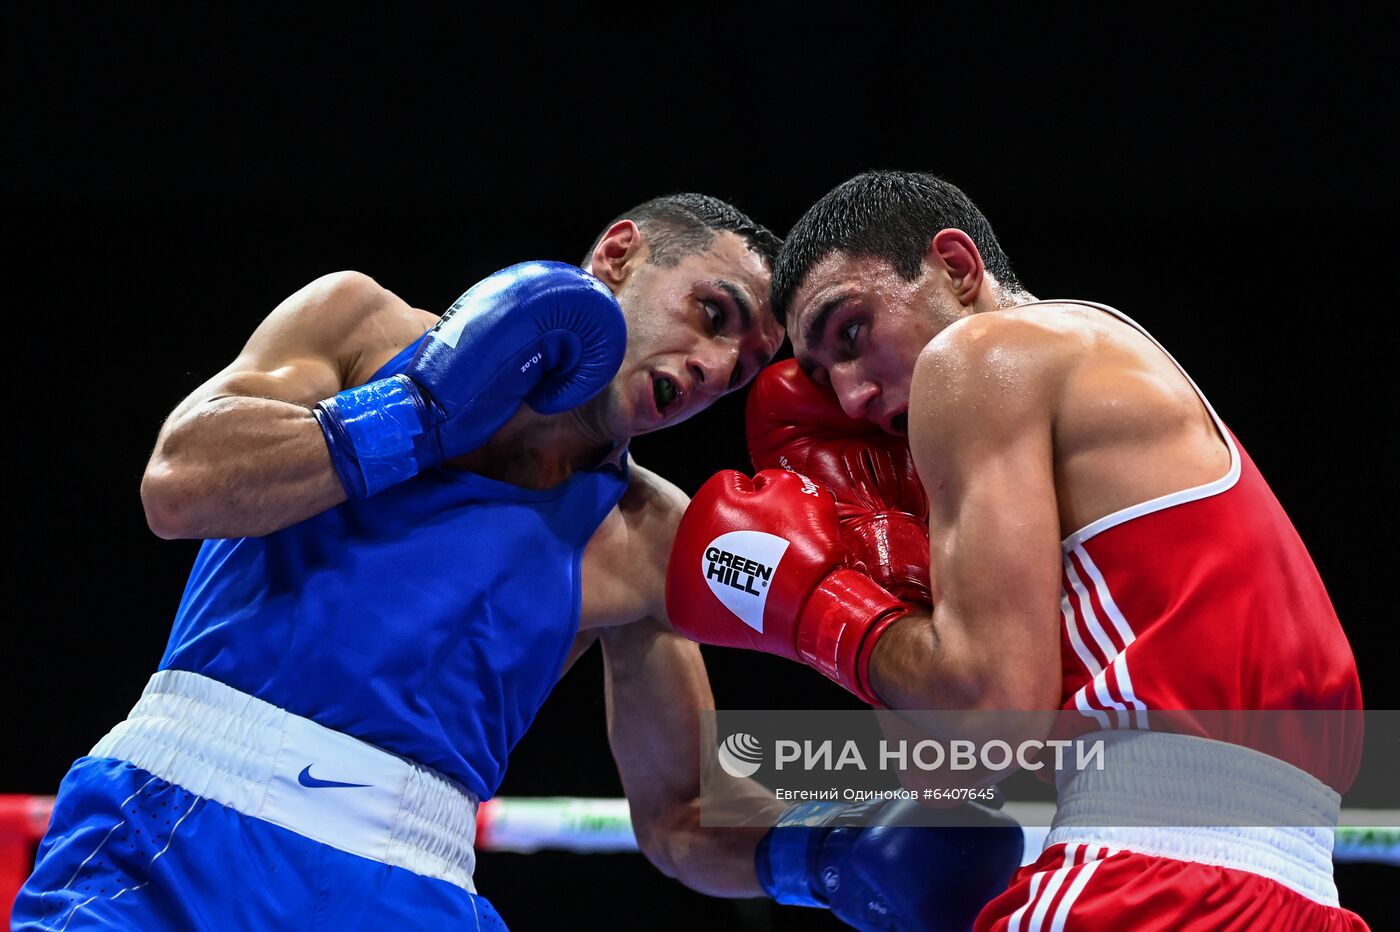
x,y
889,215
679,225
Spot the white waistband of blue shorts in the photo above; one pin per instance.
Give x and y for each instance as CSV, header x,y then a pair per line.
x,y
1194,799
265,762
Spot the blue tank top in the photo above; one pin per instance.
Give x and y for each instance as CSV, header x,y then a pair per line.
x,y
430,620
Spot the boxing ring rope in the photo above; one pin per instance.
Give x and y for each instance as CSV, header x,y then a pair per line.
x,y
599,826
593,826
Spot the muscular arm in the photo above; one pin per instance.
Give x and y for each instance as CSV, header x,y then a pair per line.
x,y
981,422
657,688
243,456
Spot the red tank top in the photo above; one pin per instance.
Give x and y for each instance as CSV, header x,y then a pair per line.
x,y
1202,599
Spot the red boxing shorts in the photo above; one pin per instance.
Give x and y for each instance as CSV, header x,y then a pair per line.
x,y
1214,859
1079,886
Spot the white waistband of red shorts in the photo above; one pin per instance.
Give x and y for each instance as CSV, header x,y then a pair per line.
x,y
1195,799
265,762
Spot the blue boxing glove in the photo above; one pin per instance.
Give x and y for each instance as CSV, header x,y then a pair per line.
x,y
879,865
543,333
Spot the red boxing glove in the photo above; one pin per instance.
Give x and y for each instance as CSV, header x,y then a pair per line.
x,y
760,564
795,424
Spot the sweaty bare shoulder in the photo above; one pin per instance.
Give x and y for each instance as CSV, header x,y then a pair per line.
x,y
653,505
1130,426
988,366
345,319
624,568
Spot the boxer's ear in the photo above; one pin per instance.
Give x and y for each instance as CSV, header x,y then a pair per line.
x,y
953,253
619,250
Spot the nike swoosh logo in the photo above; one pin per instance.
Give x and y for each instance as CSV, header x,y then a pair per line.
x,y
306,779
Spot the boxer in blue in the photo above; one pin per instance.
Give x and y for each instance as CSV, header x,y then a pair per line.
x,y
412,526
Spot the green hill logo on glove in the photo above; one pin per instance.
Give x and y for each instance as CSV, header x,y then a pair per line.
x,y
738,567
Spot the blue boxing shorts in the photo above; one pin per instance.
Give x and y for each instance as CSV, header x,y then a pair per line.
x,y
211,809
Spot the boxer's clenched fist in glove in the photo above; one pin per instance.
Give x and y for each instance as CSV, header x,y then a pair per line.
x,y
760,564
882,865
545,334
795,424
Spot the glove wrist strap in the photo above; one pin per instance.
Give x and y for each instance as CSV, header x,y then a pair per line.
x,y
840,624
370,431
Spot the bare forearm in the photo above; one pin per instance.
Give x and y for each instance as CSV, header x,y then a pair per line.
x,y
238,467
909,670
713,861
658,692
718,861
944,676
930,661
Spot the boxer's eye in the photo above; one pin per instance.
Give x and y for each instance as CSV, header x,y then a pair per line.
x,y
848,334
716,315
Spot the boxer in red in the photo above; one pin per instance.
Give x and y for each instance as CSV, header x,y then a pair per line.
x,y
1099,542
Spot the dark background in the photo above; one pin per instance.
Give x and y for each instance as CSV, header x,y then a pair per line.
x,y
1218,174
